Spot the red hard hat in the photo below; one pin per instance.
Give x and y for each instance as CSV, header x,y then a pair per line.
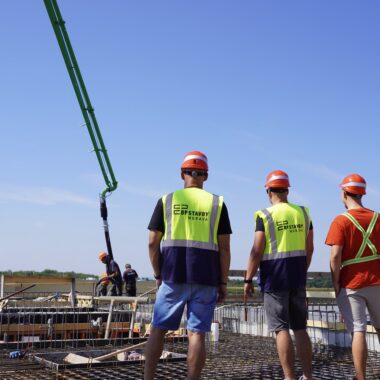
x,y
354,183
102,255
195,160
277,178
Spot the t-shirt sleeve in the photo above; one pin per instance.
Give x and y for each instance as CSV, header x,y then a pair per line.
x,y
259,225
224,227
335,236
157,220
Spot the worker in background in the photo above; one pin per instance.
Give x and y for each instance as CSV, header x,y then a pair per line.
x,y
113,274
282,248
101,285
191,268
130,277
354,238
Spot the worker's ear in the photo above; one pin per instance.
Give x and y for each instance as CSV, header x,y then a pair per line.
x,y
206,176
182,175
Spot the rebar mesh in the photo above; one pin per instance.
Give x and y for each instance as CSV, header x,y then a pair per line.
x,y
246,349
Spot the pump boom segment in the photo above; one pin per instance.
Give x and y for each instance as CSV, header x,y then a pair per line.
x,y
87,110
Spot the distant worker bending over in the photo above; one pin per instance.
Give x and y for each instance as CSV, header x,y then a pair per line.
x,y
102,284
193,228
355,266
130,276
113,274
283,248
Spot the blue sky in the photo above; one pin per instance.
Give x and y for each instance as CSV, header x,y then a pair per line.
x,y
256,85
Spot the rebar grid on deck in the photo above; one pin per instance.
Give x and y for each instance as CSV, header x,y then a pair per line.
x,y
234,357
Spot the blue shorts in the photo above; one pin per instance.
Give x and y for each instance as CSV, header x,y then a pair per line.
x,y
171,300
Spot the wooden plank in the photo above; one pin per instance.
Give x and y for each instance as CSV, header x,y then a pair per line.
x,y
78,359
335,326
115,353
120,299
60,327
320,294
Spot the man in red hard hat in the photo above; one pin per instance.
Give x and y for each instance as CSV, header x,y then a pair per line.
x,y
354,237
283,248
189,248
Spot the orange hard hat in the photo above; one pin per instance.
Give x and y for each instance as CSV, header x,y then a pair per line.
x,y
106,282
195,160
354,183
102,255
277,178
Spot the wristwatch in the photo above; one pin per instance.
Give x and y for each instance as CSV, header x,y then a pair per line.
x,y
157,277
246,281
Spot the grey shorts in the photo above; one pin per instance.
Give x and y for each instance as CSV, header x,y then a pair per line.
x,y
286,309
353,304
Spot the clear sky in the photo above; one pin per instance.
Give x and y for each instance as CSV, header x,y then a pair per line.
x,y
256,85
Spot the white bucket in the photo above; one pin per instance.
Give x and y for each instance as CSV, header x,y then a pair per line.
x,y
214,334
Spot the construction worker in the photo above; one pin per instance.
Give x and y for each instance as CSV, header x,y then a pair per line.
x,y
283,247
191,268
354,238
101,285
113,274
130,276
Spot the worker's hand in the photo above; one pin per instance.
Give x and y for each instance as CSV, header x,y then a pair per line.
x,y
248,290
222,293
158,283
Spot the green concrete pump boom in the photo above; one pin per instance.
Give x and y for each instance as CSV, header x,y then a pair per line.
x,y
86,107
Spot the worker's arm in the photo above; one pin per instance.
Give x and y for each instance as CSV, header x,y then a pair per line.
x,y
309,247
225,259
154,252
335,264
254,259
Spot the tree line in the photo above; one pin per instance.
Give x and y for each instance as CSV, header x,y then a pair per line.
x,y
45,273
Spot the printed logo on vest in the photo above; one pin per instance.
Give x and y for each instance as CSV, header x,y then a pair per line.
x,y
284,225
183,209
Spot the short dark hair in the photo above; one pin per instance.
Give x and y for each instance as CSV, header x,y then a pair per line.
x,y
356,196
278,189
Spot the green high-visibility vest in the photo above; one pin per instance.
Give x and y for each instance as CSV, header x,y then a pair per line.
x,y
191,218
286,228
366,241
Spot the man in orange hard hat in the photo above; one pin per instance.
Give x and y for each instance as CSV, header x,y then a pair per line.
x,y
113,274
354,237
283,248
189,248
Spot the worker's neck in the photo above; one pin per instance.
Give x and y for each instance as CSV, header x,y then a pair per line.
x,y
353,203
280,198
188,184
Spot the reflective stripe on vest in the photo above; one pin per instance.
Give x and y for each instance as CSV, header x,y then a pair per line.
x,y
366,241
211,244
275,254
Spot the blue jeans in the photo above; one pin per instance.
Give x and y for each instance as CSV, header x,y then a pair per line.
x,y
171,300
